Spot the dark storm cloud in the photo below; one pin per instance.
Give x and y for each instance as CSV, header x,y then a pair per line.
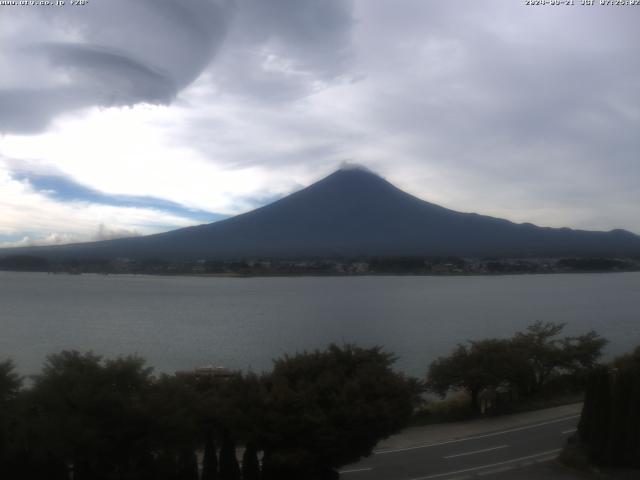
x,y
25,110
134,81
127,53
101,77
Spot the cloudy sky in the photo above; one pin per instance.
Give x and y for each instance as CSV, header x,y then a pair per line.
x,y
129,117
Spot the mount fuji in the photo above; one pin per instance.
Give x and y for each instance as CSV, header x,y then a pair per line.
x,y
353,212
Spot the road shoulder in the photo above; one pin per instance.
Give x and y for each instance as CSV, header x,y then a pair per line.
x,y
432,434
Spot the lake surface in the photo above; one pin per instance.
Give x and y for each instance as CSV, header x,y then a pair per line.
x,y
185,322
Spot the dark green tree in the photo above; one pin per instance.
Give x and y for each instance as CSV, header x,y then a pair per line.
x,y
549,356
542,350
229,468
610,421
10,382
165,465
10,385
329,408
175,430
92,415
477,366
521,365
234,404
267,470
187,465
584,351
594,422
250,463
210,457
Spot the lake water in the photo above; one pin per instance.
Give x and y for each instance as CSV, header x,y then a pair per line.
x,y
185,322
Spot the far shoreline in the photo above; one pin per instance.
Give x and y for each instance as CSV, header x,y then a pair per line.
x,y
322,275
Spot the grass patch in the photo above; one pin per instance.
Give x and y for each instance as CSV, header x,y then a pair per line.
x,y
457,407
541,402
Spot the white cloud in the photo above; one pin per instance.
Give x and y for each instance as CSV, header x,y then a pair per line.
x,y
103,232
24,210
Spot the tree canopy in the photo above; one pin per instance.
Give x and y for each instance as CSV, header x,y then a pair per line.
x,y
477,366
10,381
522,364
610,422
92,414
108,419
329,408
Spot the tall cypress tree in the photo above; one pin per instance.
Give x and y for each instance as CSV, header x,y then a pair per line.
x,y
633,450
266,472
187,465
250,464
210,459
619,429
627,429
599,435
165,466
229,469
610,421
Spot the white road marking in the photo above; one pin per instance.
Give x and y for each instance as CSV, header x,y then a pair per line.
x,y
466,439
477,451
569,431
483,467
545,459
495,470
355,470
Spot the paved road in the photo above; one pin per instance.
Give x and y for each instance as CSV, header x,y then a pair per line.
x,y
485,455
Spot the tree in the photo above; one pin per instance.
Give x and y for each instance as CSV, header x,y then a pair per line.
x,y
581,353
610,422
229,468
10,385
542,350
250,463
229,408
10,382
187,465
329,408
92,414
175,429
548,355
210,458
523,363
480,365
594,421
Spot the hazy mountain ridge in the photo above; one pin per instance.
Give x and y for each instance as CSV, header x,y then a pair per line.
x,y
354,212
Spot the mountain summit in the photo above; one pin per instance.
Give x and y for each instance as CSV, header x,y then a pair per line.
x,y
354,212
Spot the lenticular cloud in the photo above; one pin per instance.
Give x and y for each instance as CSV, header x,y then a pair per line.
x,y
114,53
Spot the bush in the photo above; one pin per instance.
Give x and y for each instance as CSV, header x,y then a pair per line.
x,y
610,422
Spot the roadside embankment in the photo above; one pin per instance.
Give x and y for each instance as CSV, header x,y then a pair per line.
x,y
442,432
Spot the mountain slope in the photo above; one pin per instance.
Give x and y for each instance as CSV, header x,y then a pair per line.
x,y
355,212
